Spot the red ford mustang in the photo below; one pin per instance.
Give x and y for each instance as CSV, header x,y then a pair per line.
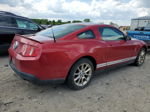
x,y
72,52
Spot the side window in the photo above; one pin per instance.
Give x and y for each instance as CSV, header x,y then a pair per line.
x,y
109,34
7,21
24,24
86,35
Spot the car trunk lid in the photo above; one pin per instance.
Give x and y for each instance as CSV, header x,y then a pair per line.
x,y
28,45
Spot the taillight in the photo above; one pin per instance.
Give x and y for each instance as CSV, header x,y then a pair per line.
x,y
29,51
15,45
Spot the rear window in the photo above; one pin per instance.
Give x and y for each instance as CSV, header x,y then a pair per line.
x,y
24,24
60,31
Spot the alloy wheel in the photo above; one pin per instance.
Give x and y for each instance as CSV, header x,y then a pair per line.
x,y
141,57
82,74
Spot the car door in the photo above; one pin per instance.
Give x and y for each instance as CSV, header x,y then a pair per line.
x,y
26,27
7,29
119,48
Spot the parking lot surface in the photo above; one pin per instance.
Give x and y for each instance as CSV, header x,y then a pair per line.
x,y
126,89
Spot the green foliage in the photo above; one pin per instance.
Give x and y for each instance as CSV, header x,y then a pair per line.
x,y
76,21
87,20
40,21
58,22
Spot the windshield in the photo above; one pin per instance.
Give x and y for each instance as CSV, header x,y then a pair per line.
x,y
60,31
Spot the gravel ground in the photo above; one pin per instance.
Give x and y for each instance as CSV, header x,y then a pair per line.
x,y
126,89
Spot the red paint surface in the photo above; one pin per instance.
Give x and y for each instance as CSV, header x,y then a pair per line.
x,y
55,59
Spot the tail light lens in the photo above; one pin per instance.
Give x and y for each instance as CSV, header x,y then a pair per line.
x,y
29,51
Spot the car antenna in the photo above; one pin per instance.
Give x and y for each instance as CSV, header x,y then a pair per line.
x,y
53,34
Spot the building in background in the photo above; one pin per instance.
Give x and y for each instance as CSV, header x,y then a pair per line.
x,y
114,24
139,22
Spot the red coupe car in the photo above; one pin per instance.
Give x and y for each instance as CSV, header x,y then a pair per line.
x,y
72,52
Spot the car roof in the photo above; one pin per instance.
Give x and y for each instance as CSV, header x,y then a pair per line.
x,y
5,13
90,24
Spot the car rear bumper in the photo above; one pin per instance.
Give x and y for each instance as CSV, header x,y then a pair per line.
x,y
33,78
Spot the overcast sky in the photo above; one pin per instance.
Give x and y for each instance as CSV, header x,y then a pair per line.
x,y
119,11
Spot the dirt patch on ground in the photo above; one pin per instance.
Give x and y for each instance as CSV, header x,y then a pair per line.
x,y
125,89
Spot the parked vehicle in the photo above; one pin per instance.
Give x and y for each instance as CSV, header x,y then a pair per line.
x,y
142,33
139,29
11,24
72,52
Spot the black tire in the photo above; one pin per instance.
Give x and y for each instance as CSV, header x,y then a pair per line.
x,y
141,57
77,75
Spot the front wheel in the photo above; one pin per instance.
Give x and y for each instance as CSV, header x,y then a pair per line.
x,y
80,74
141,57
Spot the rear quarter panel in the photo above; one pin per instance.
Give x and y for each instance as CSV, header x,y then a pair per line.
x,y
60,56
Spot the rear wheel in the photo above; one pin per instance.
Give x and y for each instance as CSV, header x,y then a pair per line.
x,y
141,57
80,74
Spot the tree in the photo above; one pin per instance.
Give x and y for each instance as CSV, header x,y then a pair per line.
x,y
41,21
49,22
86,20
53,22
66,22
59,22
114,24
76,21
